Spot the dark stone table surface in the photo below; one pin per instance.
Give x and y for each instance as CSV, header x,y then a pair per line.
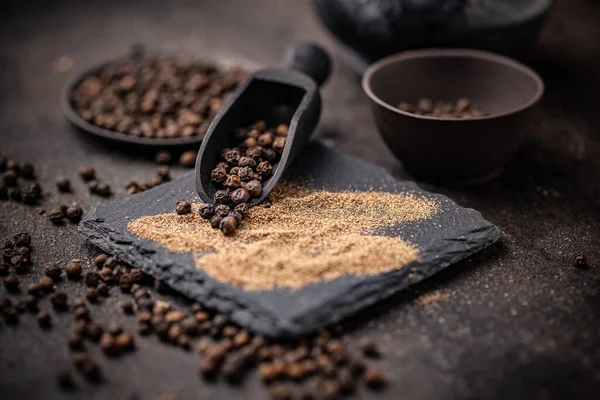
x,y
516,321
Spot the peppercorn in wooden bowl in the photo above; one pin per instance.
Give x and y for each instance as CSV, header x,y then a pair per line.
x,y
453,116
154,101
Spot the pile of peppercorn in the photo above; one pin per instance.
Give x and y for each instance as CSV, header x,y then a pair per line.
x,y
239,175
11,188
155,97
462,108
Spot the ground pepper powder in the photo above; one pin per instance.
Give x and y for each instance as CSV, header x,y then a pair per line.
x,y
304,237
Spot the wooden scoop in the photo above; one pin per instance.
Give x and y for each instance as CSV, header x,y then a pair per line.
x,y
288,95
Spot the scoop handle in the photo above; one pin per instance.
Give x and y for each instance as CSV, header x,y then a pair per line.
x,y
310,59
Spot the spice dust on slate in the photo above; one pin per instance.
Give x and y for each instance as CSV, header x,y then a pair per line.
x,y
304,237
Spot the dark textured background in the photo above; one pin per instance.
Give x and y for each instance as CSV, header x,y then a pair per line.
x,y
517,321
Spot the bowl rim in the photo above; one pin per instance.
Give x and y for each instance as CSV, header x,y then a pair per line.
x,y
446,53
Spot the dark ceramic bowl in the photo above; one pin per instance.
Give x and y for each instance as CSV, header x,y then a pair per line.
x,y
374,29
221,61
455,151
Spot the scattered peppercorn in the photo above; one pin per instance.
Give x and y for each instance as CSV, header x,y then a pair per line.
x,y
46,284
56,216
188,159
91,279
4,268
74,213
163,157
183,207
374,379
369,348
63,183
74,270
127,307
11,283
65,380
44,319
87,172
53,271
59,300
100,259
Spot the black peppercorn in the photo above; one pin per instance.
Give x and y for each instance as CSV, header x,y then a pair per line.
x,y
238,217
127,307
222,165
264,169
3,191
102,189
9,178
183,207
91,279
44,319
74,213
221,197
270,155
74,270
265,140
240,195
228,225
215,221
279,144
207,211
4,268
65,380
281,130
81,313
163,157
246,174
254,153
254,187
218,175
242,208
374,379
56,216
87,173
233,182
46,284
222,210
232,156
20,263
13,166
94,331
125,283
27,171
11,283
31,303
100,259
246,162
15,194
59,300
63,183
188,159
22,239
53,271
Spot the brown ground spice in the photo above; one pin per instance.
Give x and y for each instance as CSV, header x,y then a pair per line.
x,y
304,237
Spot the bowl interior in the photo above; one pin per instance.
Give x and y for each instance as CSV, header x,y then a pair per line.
x,y
498,85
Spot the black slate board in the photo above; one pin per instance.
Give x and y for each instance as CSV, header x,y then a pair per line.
x,y
449,236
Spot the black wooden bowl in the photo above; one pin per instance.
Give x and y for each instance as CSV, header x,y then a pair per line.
x,y
83,126
454,151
